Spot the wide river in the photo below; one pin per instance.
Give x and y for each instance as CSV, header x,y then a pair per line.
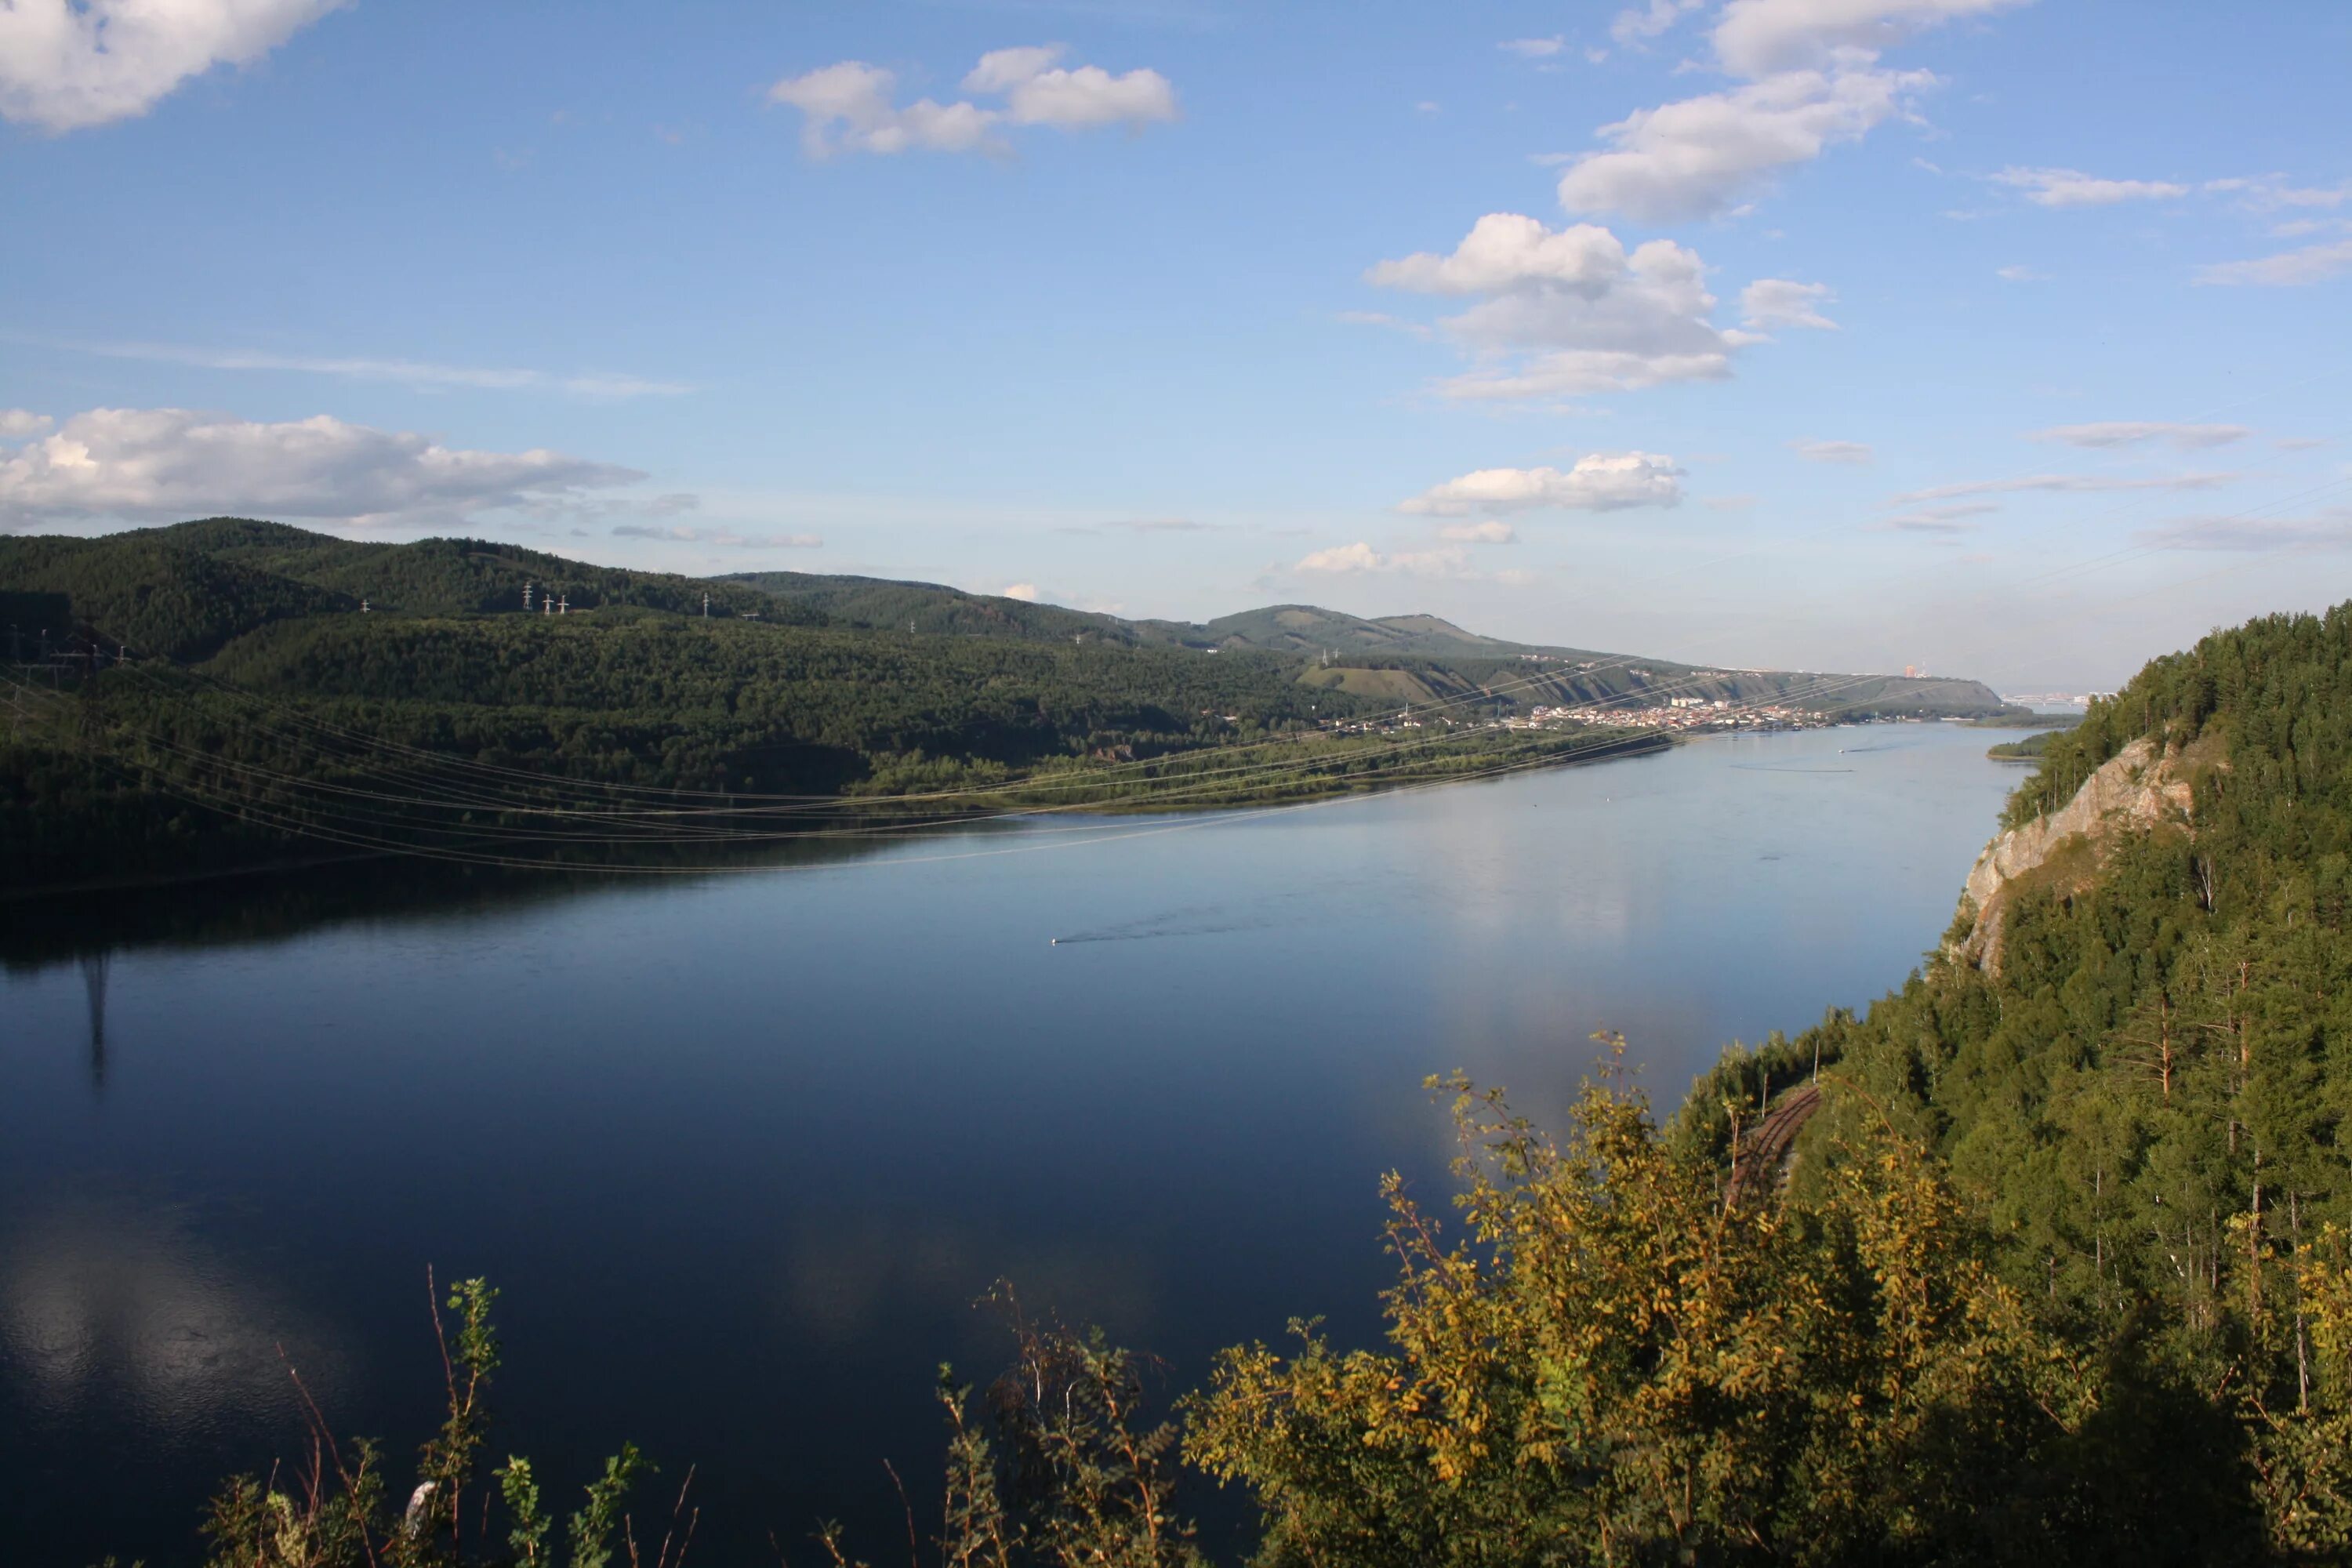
x,y
742,1151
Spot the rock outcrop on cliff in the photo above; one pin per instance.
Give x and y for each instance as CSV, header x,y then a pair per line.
x,y
2136,790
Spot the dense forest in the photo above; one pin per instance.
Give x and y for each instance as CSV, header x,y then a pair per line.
x,y
227,692
2045,1257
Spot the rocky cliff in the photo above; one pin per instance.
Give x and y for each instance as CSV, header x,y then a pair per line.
x,y
2138,789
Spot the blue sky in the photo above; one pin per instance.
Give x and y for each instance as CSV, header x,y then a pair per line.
x,y
2002,337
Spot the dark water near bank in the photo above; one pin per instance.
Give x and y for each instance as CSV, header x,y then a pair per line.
x,y
742,1149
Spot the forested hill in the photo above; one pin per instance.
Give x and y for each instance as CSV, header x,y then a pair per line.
x,y
185,592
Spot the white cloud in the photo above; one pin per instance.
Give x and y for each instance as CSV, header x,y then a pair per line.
x,y
1026,592
1856,453
419,373
1604,482
1038,91
2312,264
2073,188
2137,432
1755,37
1535,48
15,423
1638,24
1728,503
1488,532
1570,312
2068,484
848,107
68,64
2302,443
725,537
159,463
2019,275
1698,157
1777,302
1812,81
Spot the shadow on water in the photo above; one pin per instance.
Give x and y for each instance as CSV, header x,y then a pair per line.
x,y
89,928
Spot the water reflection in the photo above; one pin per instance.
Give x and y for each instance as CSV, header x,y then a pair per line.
x,y
94,966
116,1313
746,1147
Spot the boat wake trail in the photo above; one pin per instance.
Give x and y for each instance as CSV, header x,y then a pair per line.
x,y
1202,922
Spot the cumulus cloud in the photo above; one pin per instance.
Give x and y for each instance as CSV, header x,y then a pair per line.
x,y
2138,432
1777,302
68,64
1754,38
1812,81
1698,157
850,107
1023,591
422,374
1487,532
2312,264
2069,484
1570,312
18,422
1604,482
2073,188
723,537
161,463
1856,453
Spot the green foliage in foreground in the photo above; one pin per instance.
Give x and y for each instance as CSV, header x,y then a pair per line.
x,y
335,1512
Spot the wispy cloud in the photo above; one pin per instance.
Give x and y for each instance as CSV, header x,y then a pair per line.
x,y
2330,530
1944,519
423,374
2074,188
2139,432
2312,264
725,538
2069,484
1854,454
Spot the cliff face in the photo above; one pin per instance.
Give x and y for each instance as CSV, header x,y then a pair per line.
x,y
2136,790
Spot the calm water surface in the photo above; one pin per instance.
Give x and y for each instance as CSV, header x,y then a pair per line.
x,y
741,1151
